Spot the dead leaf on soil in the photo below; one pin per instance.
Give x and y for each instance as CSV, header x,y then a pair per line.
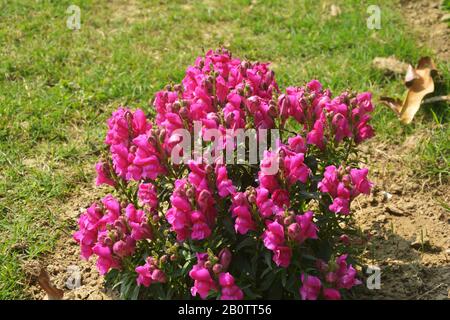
x,y
419,82
53,293
393,103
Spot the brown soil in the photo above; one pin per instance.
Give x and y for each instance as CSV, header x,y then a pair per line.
x,y
66,257
410,230
425,17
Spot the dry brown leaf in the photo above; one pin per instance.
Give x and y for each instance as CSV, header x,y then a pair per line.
x,y
418,89
419,82
395,104
53,293
410,76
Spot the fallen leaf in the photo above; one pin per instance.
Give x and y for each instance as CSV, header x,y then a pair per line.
x,y
395,104
418,89
419,82
410,76
53,293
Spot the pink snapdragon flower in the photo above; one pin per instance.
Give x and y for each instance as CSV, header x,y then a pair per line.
x,y
240,210
147,195
224,185
274,240
344,187
303,228
103,174
310,288
149,273
230,291
203,281
110,232
137,221
133,156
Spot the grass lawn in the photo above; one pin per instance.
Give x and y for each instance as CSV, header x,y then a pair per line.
x,y
58,86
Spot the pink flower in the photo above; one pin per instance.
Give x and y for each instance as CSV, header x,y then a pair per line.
x,y
273,237
280,198
331,294
297,144
341,127
310,288
200,230
241,211
105,260
340,205
266,206
230,291
149,273
203,282
303,228
146,161
138,223
282,256
315,136
103,174
147,194
124,248
296,168
224,185
330,181
360,181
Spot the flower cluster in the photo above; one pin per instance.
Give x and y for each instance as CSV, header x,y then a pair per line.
x,y
149,273
176,215
343,185
337,275
322,117
110,231
207,278
133,155
299,228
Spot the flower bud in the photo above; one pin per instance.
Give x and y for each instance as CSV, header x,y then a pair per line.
x,y
208,264
321,266
158,276
209,169
225,257
331,277
184,113
293,231
344,239
217,268
164,258
173,257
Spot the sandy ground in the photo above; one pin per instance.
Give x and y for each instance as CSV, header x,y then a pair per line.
x,y
410,230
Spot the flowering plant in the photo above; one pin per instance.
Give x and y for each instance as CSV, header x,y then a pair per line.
x,y
183,224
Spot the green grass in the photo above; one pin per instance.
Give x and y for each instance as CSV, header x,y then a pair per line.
x,y
58,86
